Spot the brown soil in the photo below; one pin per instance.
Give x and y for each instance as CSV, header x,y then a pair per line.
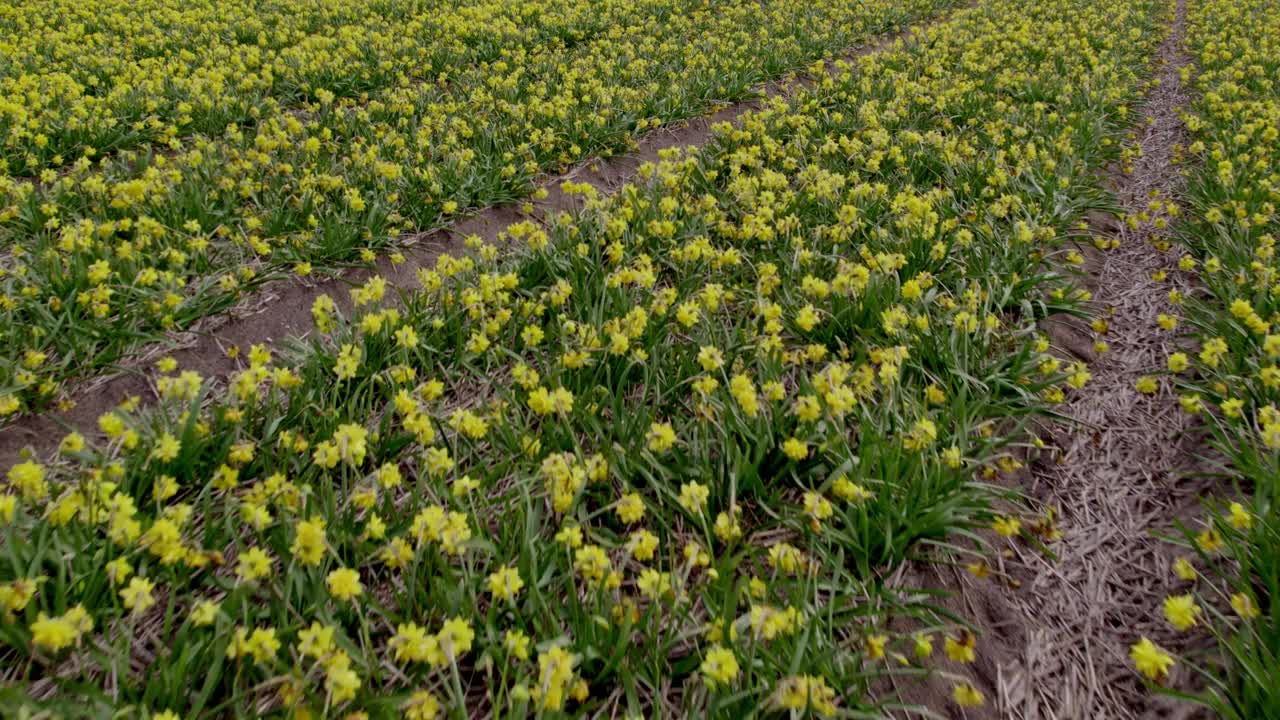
x,y
1118,476
1002,632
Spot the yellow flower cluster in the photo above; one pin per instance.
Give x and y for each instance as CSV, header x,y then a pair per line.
x,y
1232,380
158,162
1236,135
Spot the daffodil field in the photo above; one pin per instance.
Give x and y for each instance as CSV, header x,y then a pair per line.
x,y
150,180
659,456
1230,240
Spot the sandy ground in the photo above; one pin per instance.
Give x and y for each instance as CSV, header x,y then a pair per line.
x,y
1124,471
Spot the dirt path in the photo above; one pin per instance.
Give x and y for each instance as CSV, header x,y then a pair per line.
x,y
283,309
1121,473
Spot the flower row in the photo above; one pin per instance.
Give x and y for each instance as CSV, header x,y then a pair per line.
x,y
112,254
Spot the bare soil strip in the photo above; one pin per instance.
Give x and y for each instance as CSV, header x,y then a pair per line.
x,y
1122,472
283,309
1055,631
